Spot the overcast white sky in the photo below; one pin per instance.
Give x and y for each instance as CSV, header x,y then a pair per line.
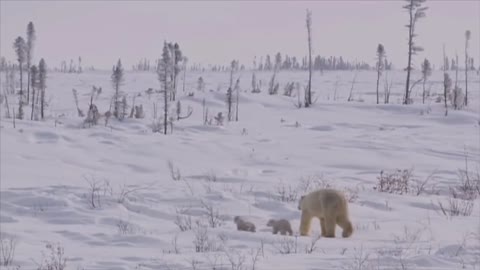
x,y
218,31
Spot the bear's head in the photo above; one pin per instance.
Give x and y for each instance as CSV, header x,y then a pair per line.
x,y
270,223
236,219
300,202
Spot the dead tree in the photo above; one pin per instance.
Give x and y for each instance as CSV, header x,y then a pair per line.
x,y
415,11
467,38
308,97
34,82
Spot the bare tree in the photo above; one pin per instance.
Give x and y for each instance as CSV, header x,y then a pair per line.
x,y
308,97
20,49
42,85
29,53
426,72
117,81
237,90
415,11
467,38
380,67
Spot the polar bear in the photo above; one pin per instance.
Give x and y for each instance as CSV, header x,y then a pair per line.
x,y
328,205
243,225
281,225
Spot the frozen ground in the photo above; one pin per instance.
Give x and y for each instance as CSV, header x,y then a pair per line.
x,y
48,169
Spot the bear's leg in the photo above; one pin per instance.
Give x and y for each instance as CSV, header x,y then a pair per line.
x,y
346,225
275,230
305,223
330,223
322,227
290,231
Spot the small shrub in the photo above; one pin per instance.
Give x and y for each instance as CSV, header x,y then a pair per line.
x,y
125,227
351,194
456,207
397,182
311,183
7,250
174,172
469,187
219,119
235,258
183,220
287,245
202,241
55,260
289,87
287,193
213,215
313,244
92,115
96,188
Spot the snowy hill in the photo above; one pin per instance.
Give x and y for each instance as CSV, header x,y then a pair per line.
x,y
119,196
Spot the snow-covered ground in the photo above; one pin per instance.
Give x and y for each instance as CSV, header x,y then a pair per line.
x,y
105,194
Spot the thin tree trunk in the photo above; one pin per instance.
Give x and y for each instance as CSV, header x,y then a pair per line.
x,y
38,97
165,110
21,82
308,99
116,101
6,104
33,101
466,73
423,95
410,37
42,102
456,71
28,84
236,110
444,84
378,81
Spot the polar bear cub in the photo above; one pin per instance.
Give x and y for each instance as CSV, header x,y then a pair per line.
x,y
281,225
243,225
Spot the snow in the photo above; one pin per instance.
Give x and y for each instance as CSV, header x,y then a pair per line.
x,y
47,168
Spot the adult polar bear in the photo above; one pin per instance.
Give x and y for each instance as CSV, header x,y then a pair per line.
x,y
328,205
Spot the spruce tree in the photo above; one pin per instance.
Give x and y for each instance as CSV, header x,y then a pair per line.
x,y
29,54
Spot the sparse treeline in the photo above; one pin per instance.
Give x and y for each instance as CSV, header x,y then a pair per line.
x,y
72,67
452,64
144,65
35,79
319,63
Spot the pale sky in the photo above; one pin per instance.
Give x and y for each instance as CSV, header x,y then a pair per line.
x,y
218,31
